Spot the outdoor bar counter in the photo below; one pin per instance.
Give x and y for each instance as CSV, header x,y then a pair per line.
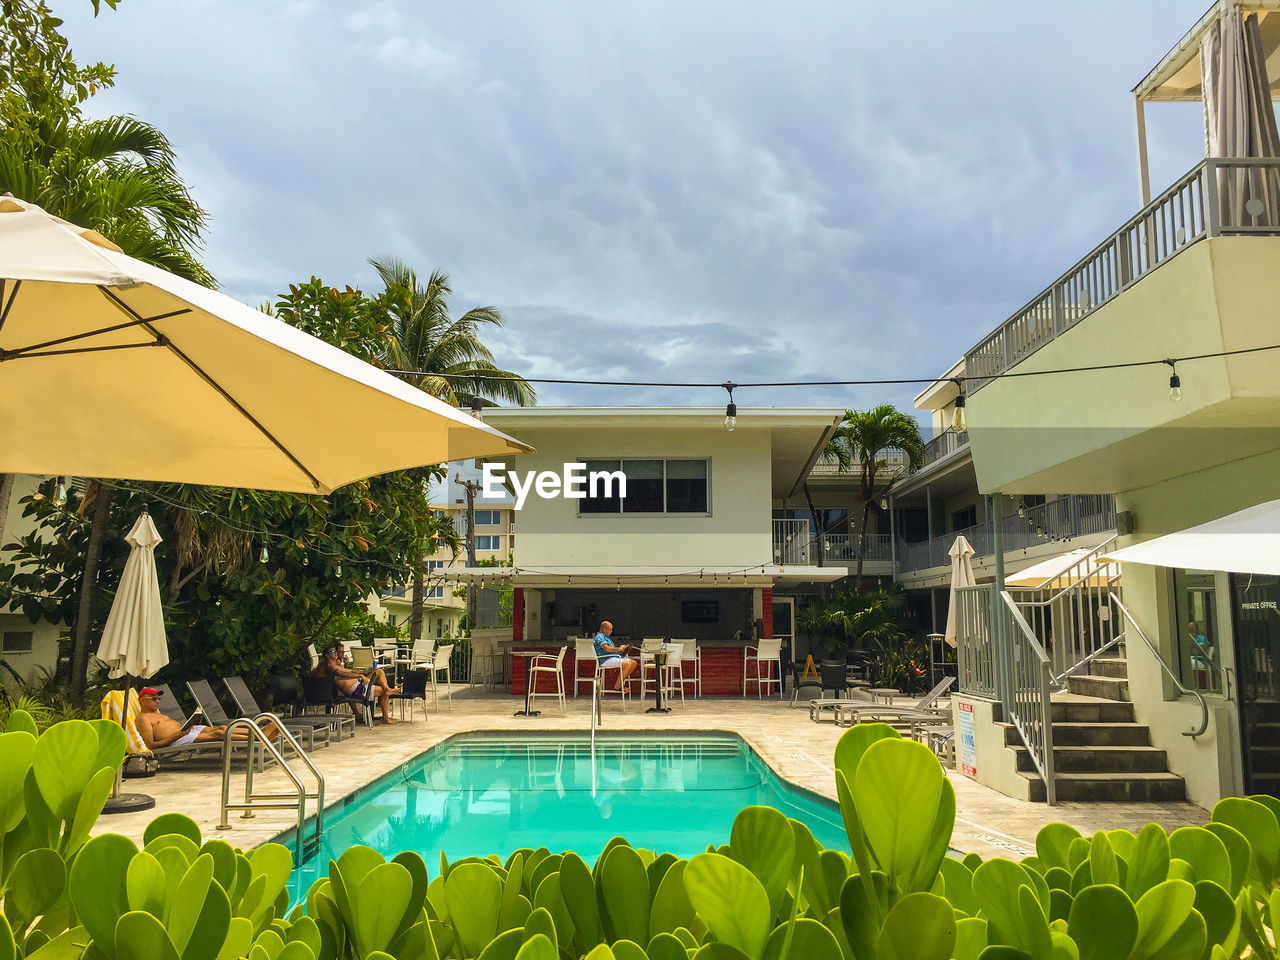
x,y
721,668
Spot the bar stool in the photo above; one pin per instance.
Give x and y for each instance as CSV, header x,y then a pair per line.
x,y
545,664
765,652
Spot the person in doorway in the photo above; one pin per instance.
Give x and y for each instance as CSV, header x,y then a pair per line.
x,y
159,730
611,655
366,686
1201,654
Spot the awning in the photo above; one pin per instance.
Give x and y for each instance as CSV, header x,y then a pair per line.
x,y
1243,542
1064,570
613,577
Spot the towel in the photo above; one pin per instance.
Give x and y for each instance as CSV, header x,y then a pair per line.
x,y
134,744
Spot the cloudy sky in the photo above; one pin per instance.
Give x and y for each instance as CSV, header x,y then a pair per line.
x,y
662,191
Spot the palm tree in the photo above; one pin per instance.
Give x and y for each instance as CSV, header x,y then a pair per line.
x,y
862,438
446,358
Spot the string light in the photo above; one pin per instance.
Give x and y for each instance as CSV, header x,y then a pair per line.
x,y
60,493
1175,381
958,421
265,556
731,409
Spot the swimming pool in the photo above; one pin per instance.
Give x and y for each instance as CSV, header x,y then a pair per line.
x,y
478,794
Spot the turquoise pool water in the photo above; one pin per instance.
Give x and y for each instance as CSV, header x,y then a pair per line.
x,y
481,794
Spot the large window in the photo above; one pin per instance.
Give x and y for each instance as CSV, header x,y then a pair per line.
x,y
488,543
1196,627
653,486
16,641
488,518
436,592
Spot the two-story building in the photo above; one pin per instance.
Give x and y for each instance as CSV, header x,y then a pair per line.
x,y
691,551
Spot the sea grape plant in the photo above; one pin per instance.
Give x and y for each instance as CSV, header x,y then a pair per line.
x,y
770,893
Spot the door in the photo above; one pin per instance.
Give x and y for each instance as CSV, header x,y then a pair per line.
x,y
784,618
1255,606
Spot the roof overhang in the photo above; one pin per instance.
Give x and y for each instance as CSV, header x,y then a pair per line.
x,y
798,435
1177,76
603,578
942,391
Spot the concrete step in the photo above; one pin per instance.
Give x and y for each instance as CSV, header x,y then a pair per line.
x,y
1107,688
1091,710
1109,667
1111,787
1120,760
1090,734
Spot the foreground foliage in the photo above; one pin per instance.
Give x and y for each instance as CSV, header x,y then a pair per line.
x,y
770,893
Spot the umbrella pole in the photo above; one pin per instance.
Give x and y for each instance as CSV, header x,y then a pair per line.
x,y
126,802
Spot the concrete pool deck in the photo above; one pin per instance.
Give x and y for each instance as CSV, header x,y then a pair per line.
x,y
799,750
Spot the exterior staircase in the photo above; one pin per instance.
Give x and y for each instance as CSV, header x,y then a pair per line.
x,y
1099,751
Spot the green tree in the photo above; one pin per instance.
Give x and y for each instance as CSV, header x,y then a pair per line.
x,y
863,438
447,358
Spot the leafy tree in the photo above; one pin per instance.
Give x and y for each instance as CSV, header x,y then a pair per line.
x,y
446,358
863,437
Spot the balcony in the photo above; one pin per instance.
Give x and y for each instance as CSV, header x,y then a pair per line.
x,y
1218,197
944,445
893,464
1062,519
795,545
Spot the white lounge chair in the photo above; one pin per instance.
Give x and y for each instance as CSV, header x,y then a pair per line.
x,y
922,711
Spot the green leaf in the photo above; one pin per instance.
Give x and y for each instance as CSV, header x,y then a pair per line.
x,y
730,900
98,887
38,880
145,885
65,758
417,868
762,841
504,945
140,936
1033,929
1161,911
1149,862
995,888
807,860
68,945
168,823
810,940
111,744
578,889
379,904
1102,860
897,793
1205,852
88,808
971,938
624,886
1221,918
920,926
935,851
671,905
1238,852
1260,828
537,947
1052,843
473,893
239,939
21,722
549,898
17,749
274,862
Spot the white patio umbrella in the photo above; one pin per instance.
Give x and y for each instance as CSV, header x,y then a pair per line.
x,y
961,554
133,640
110,367
1247,541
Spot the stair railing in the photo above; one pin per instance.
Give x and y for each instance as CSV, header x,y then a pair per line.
x,y
1075,613
1029,671
1169,671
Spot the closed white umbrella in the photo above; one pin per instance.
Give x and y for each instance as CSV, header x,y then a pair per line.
x,y
133,640
110,367
961,554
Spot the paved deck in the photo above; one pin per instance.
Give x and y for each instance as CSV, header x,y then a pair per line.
x,y
798,749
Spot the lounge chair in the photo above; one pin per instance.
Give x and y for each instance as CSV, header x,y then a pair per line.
x,y
922,711
303,728
858,697
204,749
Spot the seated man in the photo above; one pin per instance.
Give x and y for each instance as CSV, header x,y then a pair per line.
x,y
612,655
159,730
353,683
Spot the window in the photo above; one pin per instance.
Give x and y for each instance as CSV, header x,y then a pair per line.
x,y
16,641
1196,626
439,627
436,592
488,518
964,519
488,543
653,486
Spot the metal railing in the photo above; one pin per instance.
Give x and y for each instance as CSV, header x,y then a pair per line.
x,y
1070,614
791,542
891,463
1219,196
946,443
298,797
1169,671
1030,681
843,547
597,718
975,655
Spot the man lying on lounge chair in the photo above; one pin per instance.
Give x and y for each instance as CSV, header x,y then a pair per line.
x,y
160,731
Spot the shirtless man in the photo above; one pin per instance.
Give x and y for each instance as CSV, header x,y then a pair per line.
x,y
353,683
159,730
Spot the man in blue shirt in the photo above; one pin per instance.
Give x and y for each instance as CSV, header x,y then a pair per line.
x,y
611,655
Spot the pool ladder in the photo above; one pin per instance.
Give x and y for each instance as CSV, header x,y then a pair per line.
x,y
297,797
595,720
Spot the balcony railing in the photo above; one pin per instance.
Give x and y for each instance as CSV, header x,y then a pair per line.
x,y
1217,197
944,445
794,544
1062,519
893,463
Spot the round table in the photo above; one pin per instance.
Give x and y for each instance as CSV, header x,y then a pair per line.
x,y
659,662
529,657
883,693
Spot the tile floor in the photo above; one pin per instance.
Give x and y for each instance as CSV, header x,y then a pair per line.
x,y
798,749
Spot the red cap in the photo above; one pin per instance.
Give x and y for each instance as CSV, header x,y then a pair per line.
x,y
150,691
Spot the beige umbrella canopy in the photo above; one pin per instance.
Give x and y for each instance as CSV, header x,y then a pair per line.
x,y
133,640
961,554
110,367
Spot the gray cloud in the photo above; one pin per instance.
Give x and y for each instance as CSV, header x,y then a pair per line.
x,y
663,191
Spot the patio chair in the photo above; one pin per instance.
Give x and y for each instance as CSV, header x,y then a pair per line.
x,y
547,665
362,659
304,728
765,652
648,647
323,692
415,657
211,707
413,687
439,663
286,694
922,710
602,678
584,652
486,662
690,655
673,671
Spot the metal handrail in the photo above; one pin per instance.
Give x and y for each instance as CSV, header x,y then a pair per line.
x,y
270,801
1031,710
1164,665
595,719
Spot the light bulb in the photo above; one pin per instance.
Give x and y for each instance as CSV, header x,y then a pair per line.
x,y
305,561
337,568
958,422
1175,388
731,416
1022,509
477,405
264,557
60,494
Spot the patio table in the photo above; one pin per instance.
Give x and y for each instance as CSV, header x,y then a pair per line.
x,y
885,694
659,663
529,657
